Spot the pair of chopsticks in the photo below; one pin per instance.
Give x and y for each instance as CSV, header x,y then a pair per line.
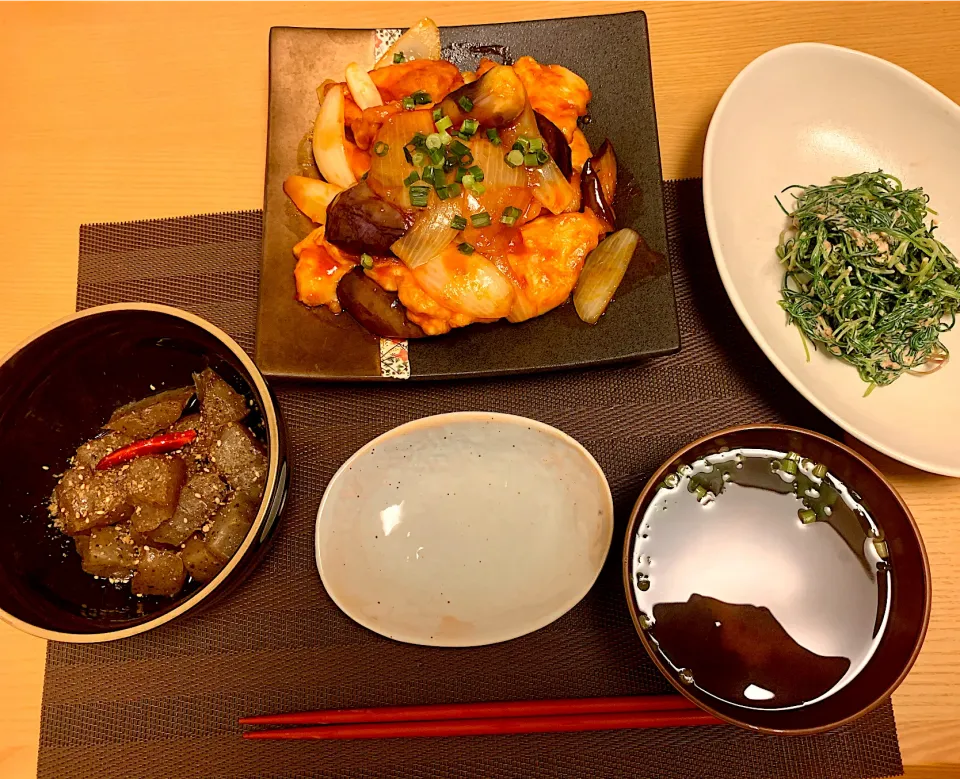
x,y
481,719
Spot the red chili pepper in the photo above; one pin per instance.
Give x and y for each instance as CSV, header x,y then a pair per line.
x,y
159,444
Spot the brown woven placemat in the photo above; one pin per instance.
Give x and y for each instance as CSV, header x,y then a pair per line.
x,y
165,704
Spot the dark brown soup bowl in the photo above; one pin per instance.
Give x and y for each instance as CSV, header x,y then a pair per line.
x,y
909,597
56,390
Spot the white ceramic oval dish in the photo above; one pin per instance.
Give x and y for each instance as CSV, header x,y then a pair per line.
x,y
464,529
801,114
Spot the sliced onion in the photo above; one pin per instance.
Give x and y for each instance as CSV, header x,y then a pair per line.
x,y
361,86
551,188
328,148
420,42
549,184
466,284
430,234
602,273
387,172
311,196
497,173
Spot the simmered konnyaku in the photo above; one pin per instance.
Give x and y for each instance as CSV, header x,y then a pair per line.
x,y
162,494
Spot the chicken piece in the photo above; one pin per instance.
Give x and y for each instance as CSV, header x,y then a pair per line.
x,y
485,64
86,499
433,319
143,418
94,451
579,151
357,159
366,126
546,269
219,402
158,573
468,284
436,77
554,91
453,290
320,266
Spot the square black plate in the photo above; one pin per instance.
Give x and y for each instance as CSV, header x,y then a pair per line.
x,y
612,54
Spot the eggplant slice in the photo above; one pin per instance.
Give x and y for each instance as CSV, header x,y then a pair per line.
x,y
556,144
379,311
358,221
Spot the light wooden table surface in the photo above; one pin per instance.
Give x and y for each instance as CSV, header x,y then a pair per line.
x,y
113,112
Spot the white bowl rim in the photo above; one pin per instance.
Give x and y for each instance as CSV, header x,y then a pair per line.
x,y
271,420
708,154
458,416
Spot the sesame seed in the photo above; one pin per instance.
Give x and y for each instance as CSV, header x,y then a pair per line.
x,y
45,467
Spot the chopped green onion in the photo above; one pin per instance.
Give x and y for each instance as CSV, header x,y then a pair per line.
x,y
466,104
445,138
788,466
701,491
444,123
413,177
407,155
438,114
458,222
477,173
480,220
493,136
530,160
419,196
543,156
421,98
453,189
510,215
417,158
469,127
807,516
461,172
536,144
793,456
466,248
366,261
882,549
468,180
478,188
522,143
449,164
820,471
466,160
514,158
459,149
408,104
442,192
398,58
380,148
418,140
433,141
436,156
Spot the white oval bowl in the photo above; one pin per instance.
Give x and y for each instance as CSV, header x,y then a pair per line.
x,y
464,529
801,114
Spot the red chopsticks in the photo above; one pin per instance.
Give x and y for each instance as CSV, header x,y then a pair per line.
x,y
477,719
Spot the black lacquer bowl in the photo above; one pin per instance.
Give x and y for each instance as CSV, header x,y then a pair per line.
x,y
56,390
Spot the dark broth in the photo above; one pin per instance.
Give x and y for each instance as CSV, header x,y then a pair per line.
x,y
747,599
